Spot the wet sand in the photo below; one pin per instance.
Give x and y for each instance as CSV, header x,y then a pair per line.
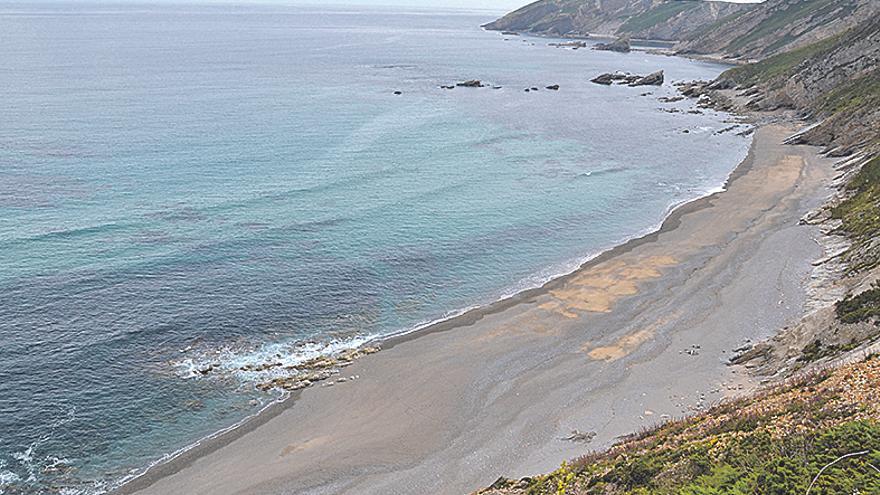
x,y
638,335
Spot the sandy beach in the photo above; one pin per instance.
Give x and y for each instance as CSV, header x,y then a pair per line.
x,y
639,335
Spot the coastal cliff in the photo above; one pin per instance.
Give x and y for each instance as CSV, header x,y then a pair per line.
x,y
643,19
776,26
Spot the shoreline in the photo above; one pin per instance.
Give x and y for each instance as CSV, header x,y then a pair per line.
x,y
175,461
184,457
487,332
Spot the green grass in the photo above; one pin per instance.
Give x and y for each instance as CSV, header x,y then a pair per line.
x,y
657,15
860,215
719,23
780,19
745,464
858,93
860,308
776,68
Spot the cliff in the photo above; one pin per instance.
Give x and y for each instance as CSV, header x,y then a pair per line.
x,y
642,19
776,26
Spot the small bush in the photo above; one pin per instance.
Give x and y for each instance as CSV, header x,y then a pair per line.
x,y
861,307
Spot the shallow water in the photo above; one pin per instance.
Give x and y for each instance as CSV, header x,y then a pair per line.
x,y
183,185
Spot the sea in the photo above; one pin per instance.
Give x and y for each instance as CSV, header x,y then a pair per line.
x,y
210,186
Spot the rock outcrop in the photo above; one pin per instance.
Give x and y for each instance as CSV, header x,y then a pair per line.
x,y
777,26
619,45
653,79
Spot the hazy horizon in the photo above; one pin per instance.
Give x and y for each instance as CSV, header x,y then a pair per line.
x,y
500,5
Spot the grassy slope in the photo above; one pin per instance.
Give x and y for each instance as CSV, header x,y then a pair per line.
x,y
774,70
860,214
773,443
779,19
656,15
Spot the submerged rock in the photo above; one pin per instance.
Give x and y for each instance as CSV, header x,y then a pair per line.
x,y
570,44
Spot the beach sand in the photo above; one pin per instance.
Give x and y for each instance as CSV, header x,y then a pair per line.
x,y
638,335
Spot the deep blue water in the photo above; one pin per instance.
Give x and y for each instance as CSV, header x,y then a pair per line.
x,y
181,185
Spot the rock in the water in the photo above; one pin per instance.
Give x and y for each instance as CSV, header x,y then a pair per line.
x,y
398,93
570,44
553,87
605,79
509,33
619,45
474,83
610,78
654,79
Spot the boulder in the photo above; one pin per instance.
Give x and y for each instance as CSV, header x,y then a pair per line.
x,y
605,79
620,45
654,79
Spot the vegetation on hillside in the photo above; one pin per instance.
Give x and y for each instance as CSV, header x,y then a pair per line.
x,y
860,217
656,15
779,19
776,69
772,444
861,307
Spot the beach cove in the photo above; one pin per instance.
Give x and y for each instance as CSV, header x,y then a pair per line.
x,y
638,335
292,184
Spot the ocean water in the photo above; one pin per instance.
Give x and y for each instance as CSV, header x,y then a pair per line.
x,y
183,185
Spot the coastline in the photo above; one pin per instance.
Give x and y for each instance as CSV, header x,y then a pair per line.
x,y
465,323
183,457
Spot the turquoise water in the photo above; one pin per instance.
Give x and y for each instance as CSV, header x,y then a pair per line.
x,y
187,184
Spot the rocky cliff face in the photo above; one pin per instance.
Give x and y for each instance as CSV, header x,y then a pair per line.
x,y
644,19
776,26
836,81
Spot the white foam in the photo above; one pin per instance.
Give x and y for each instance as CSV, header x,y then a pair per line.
x,y
285,358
